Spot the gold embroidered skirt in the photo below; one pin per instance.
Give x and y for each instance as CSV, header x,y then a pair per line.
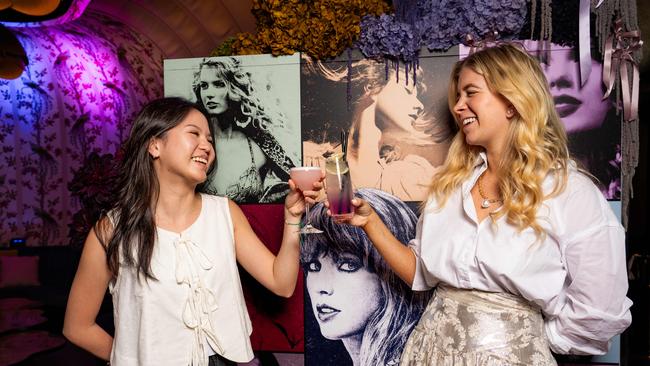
x,y
470,327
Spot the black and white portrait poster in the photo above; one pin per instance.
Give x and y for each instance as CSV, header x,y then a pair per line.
x,y
253,103
397,120
357,310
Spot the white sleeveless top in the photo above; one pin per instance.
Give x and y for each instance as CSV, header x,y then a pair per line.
x,y
195,308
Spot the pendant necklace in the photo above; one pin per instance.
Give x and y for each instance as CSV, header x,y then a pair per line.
x,y
485,203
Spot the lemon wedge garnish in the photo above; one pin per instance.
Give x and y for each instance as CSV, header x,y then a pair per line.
x,y
336,165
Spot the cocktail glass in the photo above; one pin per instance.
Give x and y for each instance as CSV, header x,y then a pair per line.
x,y
339,186
305,177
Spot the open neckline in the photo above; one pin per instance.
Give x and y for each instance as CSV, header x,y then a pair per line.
x,y
466,189
190,226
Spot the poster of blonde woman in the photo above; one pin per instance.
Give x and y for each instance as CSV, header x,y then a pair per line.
x,y
254,108
397,122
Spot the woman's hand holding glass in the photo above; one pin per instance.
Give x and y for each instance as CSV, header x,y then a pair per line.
x,y
301,196
363,213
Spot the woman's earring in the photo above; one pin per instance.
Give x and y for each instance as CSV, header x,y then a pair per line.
x,y
510,112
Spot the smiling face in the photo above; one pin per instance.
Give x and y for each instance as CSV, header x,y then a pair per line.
x,y
214,91
398,105
482,114
185,151
343,294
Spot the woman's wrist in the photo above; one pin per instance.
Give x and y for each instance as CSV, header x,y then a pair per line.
x,y
291,219
292,222
370,220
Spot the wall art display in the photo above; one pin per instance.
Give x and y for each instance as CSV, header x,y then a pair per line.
x,y
358,310
396,119
591,123
253,104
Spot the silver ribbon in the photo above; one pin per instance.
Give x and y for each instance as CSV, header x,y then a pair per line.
x,y
584,41
619,50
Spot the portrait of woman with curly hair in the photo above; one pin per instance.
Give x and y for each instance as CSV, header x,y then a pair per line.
x,y
254,118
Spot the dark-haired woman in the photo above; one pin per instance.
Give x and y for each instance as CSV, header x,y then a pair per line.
x,y
169,254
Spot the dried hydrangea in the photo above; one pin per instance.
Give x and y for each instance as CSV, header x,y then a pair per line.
x,y
439,26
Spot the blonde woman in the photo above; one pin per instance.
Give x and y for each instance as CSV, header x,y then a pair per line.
x,y
524,251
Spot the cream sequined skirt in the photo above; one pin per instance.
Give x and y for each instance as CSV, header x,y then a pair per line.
x,y
469,327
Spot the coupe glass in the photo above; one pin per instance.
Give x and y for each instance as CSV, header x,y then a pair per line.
x,y
305,177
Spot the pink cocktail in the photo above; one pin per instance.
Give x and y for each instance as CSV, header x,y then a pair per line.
x,y
304,177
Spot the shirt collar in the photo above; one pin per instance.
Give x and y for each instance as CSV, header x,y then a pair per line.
x,y
480,165
481,159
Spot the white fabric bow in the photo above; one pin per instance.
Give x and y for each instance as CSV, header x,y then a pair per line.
x,y
201,301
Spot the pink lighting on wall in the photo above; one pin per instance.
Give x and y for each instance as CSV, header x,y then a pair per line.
x,y
84,82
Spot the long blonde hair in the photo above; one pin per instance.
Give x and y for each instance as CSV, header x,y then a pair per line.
x,y
536,144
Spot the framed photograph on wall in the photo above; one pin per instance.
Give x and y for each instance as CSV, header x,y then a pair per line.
x,y
396,119
253,103
357,310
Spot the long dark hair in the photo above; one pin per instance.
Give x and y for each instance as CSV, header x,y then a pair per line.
x,y
128,231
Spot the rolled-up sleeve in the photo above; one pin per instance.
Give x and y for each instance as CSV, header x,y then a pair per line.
x,y
419,280
594,307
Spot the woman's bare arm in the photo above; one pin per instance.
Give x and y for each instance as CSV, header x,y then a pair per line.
x,y
277,273
86,296
399,257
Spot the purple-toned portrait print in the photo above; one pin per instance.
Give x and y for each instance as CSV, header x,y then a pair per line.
x,y
590,121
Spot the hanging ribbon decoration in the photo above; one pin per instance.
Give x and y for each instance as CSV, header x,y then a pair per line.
x,y
584,39
471,43
490,39
619,50
584,42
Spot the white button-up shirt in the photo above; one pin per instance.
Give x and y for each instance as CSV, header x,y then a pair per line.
x,y
576,275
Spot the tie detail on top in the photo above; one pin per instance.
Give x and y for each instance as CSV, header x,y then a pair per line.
x,y
201,301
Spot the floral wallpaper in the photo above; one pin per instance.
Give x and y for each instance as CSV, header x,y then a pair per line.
x,y
85,81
